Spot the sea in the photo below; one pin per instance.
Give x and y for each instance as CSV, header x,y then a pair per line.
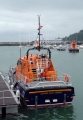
x,y
69,63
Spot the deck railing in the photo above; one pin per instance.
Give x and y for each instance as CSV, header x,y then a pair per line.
x,y
4,96
42,63
62,77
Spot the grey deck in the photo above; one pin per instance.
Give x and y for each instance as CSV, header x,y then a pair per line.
x,y
6,97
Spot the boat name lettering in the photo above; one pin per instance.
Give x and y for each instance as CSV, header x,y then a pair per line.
x,y
51,93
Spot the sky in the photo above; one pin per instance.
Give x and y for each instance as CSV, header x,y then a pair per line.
x,y
59,18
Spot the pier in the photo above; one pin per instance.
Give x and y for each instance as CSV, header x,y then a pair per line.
x,y
52,42
8,100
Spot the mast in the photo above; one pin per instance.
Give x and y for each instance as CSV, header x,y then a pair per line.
x,y
39,47
39,31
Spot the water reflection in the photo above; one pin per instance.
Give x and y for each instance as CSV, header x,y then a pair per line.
x,y
58,113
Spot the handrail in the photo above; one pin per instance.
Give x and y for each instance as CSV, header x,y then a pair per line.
x,y
3,97
20,76
60,77
46,85
42,64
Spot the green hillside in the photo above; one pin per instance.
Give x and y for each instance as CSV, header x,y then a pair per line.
x,y
76,36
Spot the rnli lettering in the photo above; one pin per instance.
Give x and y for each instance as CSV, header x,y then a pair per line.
x,y
55,92
51,93
44,93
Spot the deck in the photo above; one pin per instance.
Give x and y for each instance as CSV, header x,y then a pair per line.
x,y
7,98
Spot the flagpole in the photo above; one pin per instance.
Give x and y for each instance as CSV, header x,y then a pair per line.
x,y
39,30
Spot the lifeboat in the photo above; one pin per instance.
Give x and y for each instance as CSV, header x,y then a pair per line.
x,y
73,47
39,83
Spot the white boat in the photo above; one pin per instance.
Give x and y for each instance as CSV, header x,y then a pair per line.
x,y
27,46
47,46
54,46
81,46
61,48
20,46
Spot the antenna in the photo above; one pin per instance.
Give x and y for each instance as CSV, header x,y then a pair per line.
x,y
20,44
20,52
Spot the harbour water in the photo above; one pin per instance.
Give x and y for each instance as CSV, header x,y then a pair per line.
x,y
70,63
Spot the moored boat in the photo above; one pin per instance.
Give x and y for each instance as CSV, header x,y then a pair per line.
x,y
61,48
54,46
39,84
73,47
81,46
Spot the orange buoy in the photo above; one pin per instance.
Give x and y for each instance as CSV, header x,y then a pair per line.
x,y
66,78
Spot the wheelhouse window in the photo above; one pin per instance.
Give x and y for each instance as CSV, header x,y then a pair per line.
x,y
19,62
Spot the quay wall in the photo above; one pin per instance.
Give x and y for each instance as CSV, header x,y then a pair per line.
x,y
33,42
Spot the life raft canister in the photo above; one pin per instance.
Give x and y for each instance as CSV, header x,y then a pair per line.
x,y
67,78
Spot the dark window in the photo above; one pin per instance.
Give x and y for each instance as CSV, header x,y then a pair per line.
x,y
19,62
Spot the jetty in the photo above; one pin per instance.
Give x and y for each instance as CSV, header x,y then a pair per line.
x,y
43,42
8,101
